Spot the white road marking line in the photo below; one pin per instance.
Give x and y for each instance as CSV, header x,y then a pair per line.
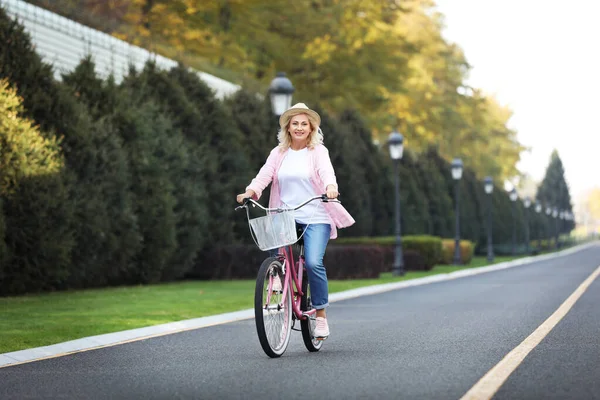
x,y
489,384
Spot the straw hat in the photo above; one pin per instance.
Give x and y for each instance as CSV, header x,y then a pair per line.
x,y
299,108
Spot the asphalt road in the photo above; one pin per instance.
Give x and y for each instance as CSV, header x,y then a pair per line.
x,y
426,342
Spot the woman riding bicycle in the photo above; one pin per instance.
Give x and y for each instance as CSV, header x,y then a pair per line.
x,y
300,167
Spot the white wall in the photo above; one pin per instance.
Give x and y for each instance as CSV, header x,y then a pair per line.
x,y
63,43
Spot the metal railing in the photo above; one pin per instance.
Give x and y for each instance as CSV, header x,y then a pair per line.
x,y
63,43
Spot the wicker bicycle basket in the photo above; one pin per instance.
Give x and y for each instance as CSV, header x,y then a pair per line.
x,y
274,230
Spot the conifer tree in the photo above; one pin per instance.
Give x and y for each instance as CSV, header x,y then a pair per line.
x,y
153,146
4,255
222,156
347,163
35,240
554,191
414,203
378,189
109,237
187,173
434,189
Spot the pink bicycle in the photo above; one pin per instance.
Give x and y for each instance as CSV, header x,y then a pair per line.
x,y
282,293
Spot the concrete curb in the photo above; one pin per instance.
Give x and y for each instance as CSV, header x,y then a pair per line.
x,y
112,339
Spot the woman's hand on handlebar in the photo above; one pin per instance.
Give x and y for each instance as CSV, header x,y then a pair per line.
x,y
247,194
331,192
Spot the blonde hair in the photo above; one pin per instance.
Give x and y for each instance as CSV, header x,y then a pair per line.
x,y
314,138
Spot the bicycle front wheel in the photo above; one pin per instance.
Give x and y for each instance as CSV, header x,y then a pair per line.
x,y
272,314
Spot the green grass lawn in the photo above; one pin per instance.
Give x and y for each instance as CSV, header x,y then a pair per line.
x,y
39,320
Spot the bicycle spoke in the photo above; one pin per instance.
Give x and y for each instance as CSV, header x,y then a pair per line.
x,y
272,312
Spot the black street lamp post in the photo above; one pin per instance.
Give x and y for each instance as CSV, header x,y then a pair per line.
x,y
457,169
527,203
538,209
555,216
488,185
513,197
561,225
395,144
280,91
549,226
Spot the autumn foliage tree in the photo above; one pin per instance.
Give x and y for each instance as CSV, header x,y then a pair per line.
x,y
385,59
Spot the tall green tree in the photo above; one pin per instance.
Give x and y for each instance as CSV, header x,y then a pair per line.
x,y
35,236
554,191
414,203
153,146
4,254
224,161
435,191
108,237
190,177
377,189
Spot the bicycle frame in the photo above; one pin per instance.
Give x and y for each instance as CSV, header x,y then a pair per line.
x,y
293,281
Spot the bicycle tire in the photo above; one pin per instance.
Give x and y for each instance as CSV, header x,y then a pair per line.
x,y
307,326
273,326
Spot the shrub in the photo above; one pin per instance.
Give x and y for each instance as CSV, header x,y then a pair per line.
x,y
466,251
237,261
428,247
354,262
242,261
413,260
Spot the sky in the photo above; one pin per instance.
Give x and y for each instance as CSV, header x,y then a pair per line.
x,y
541,59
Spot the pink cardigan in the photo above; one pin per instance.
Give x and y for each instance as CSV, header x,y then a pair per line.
x,y
321,176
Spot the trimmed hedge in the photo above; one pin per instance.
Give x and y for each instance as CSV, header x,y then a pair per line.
x,y
354,262
242,262
466,251
429,249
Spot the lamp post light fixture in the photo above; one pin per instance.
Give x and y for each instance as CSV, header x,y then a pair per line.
x,y
513,197
488,186
396,147
527,203
280,91
457,170
538,209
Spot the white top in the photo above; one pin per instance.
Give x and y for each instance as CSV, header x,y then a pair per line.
x,y
296,188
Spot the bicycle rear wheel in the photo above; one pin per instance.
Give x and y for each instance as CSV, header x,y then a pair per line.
x,y
273,319
308,325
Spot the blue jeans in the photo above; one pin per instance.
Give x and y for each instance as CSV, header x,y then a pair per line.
x,y
315,238
315,243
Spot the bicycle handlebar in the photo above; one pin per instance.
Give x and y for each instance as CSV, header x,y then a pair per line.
x,y
322,197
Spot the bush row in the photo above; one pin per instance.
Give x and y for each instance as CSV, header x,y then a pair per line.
x,y
431,250
351,258
242,262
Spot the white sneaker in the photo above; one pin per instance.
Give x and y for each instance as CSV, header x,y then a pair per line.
x,y
277,286
321,328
